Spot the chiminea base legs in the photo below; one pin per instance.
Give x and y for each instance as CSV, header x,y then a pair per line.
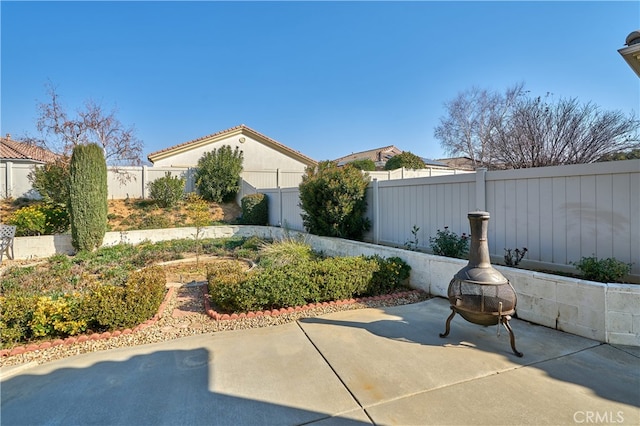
x,y
505,322
446,333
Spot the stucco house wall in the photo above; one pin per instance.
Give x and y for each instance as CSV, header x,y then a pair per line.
x,y
260,152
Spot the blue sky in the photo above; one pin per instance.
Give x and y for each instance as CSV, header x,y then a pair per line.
x,y
324,78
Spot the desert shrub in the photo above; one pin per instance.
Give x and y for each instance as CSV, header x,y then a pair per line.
x,y
167,190
217,175
448,243
334,201
153,221
56,219
365,164
285,252
407,160
255,209
112,307
88,194
28,221
602,270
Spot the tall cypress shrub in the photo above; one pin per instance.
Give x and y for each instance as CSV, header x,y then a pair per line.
x,y
88,196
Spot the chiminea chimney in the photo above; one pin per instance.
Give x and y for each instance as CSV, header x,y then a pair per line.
x,y
8,136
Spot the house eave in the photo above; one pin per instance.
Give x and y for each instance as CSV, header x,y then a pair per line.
x,y
631,54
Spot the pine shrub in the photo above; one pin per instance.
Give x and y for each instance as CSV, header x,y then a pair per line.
x,y
88,207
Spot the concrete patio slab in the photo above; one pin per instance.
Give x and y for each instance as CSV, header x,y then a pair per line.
x,y
385,366
364,346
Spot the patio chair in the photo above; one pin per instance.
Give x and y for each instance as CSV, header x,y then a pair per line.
x,y
7,233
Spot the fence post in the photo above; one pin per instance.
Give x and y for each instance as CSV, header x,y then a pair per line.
x,y
280,223
144,182
376,212
8,190
481,199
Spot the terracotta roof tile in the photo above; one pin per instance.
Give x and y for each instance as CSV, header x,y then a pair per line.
x,y
14,150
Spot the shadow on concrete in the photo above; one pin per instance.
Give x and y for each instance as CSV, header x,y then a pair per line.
x,y
610,372
161,388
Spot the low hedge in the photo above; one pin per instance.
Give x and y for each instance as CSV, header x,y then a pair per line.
x,y
27,316
310,281
255,209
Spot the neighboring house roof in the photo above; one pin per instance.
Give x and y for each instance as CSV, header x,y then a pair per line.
x,y
377,155
14,150
462,163
237,130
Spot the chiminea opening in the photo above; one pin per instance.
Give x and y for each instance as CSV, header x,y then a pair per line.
x,y
479,292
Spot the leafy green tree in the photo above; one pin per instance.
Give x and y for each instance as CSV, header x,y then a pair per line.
x,y
217,176
365,164
407,160
52,181
334,201
88,206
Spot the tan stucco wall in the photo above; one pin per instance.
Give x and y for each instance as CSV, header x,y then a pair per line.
x,y
257,156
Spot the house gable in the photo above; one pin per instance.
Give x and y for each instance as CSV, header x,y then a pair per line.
x,y
260,151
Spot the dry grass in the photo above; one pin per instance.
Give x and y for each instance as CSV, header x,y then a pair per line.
x,y
125,215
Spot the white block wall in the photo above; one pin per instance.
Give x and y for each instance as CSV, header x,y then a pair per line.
x,y
604,312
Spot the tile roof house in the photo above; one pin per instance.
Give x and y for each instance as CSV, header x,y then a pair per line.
x,y
267,163
17,161
20,152
260,151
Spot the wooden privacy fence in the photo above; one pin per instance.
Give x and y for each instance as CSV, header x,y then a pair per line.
x,y
560,214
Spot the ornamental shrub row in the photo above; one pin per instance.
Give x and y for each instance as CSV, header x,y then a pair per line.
x,y
308,281
27,316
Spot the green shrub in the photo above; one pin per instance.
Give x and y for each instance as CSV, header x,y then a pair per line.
x,y
40,219
88,194
217,175
365,164
286,285
57,316
17,311
407,160
255,209
29,221
112,307
334,201
603,270
52,181
448,243
392,274
167,190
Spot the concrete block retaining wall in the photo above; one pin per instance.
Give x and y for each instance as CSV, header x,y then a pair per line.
x,y
604,312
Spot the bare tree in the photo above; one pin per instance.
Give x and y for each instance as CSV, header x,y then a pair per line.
x,y
471,121
541,133
91,125
516,131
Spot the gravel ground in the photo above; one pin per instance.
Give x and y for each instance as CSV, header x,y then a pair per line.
x,y
184,315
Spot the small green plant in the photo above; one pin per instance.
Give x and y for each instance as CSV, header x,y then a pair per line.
x,y
602,270
413,243
288,251
167,190
365,164
448,243
198,212
513,257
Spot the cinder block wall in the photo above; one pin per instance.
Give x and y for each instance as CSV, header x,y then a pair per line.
x,y
604,312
